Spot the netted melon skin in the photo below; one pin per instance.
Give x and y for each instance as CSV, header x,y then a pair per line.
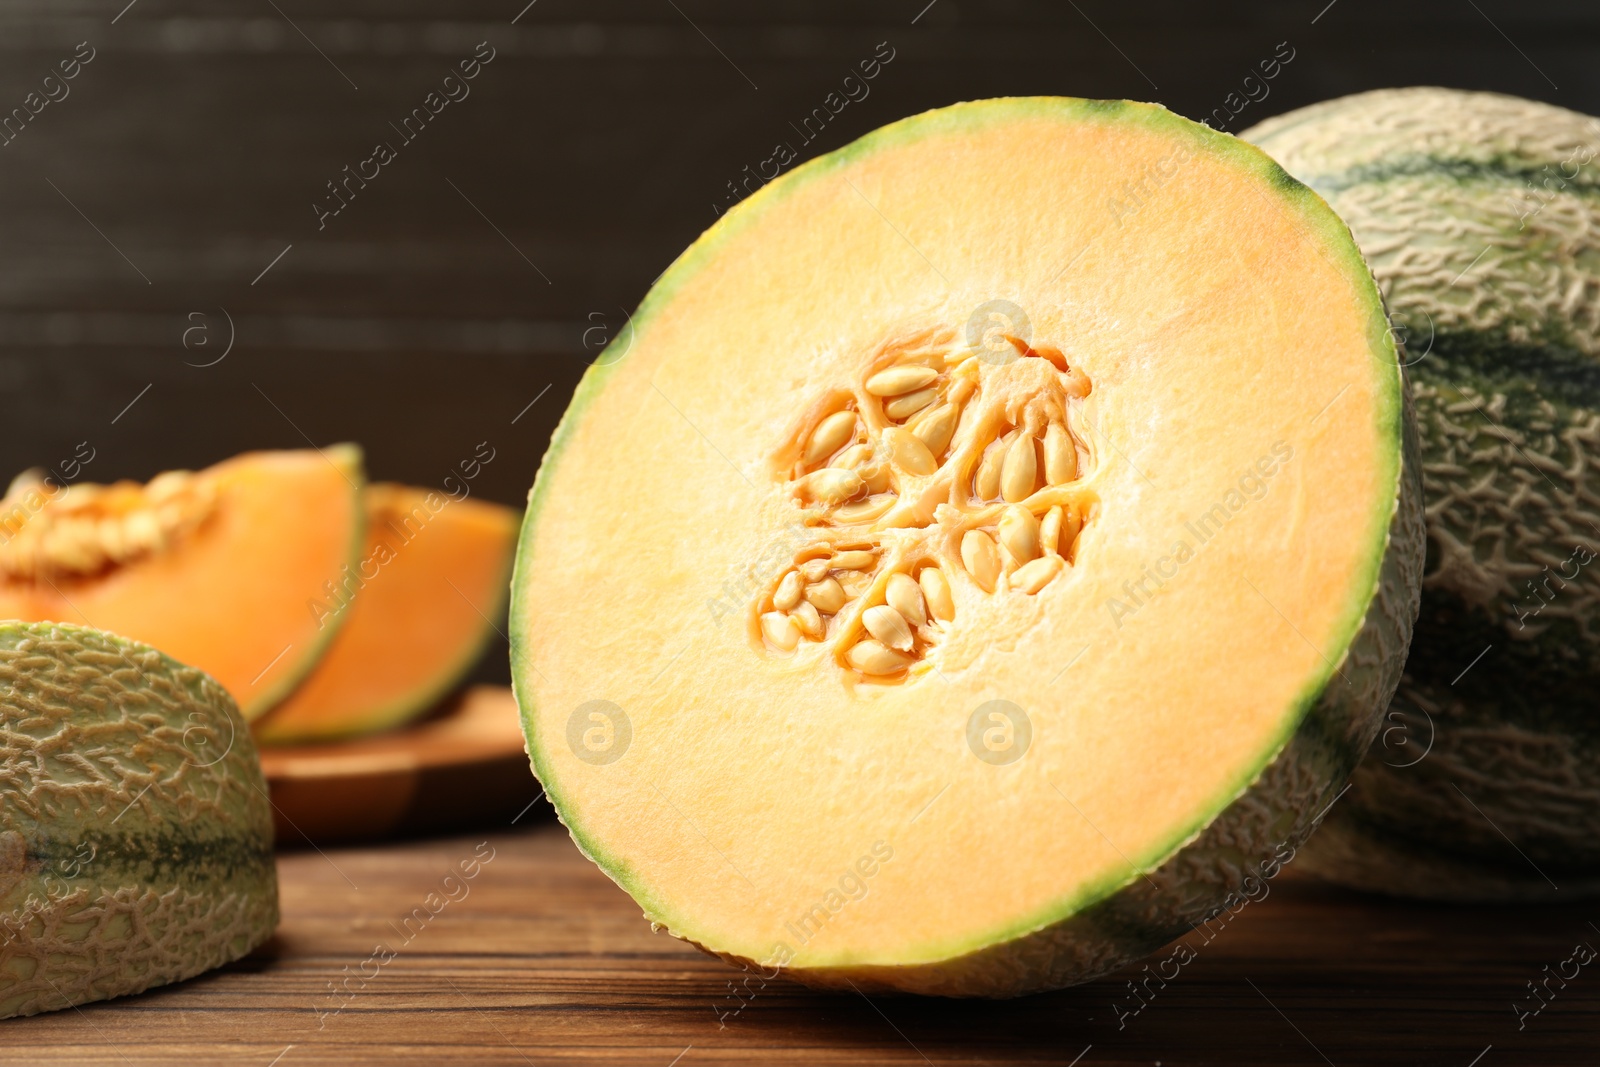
x,y
1479,215
135,829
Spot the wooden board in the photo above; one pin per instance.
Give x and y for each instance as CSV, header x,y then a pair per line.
x,y
541,960
465,766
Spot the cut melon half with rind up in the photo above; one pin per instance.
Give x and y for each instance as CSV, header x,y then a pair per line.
x,y
422,605
993,544
221,568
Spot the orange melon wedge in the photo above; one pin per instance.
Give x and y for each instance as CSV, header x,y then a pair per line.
x,y
422,602
219,569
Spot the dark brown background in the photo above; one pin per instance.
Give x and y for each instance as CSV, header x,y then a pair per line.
x,y
595,146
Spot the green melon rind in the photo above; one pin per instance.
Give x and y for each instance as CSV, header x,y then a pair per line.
x,y
1274,805
1506,802
135,829
347,459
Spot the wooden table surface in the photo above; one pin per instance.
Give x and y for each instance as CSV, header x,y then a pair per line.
x,y
540,960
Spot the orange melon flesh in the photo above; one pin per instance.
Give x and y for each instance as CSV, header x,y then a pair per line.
x,y
422,604
232,596
1225,321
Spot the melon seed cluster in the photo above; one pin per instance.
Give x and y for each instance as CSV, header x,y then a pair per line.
x,y
96,527
814,591
905,625
918,474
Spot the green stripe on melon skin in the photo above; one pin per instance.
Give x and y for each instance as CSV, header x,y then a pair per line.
x,y
1393,129
1528,374
1507,176
1527,686
1485,778
1356,852
170,855
1510,431
108,746
1104,925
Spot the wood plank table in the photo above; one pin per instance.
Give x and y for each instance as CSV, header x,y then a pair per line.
x,y
540,960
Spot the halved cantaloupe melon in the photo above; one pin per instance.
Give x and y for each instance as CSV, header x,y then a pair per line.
x,y
995,548
421,604
217,569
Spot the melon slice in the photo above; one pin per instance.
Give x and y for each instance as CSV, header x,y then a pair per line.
x,y
221,569
422,604
1480,213
135,830
994,549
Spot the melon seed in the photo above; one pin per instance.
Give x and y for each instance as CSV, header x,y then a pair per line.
x,y
830,435
1033,577
827,595
986,483
936,589
789,591
814,570
782,631
909,451
1019,534
1019,471
855,560
854,583
870,657
865,510
854,456
831,485
1071,523
936,428
981,558
810,622
888,626
110,533
903,407
897,381
1050,531
905,597
876,478
1060,457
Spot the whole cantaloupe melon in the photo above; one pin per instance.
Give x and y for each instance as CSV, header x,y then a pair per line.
x,y
967,576
1480,216
135,830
